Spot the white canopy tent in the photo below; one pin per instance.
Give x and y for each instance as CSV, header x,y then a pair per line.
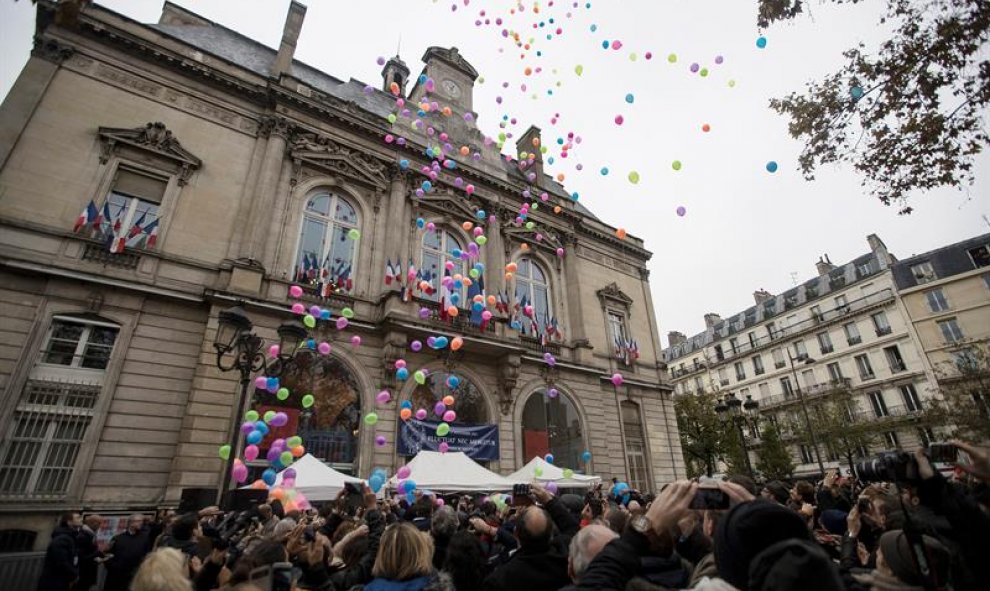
x,y
451,471
551,473
316,480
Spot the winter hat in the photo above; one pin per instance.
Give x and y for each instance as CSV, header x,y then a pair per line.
x,y
794,564
834,521
574,504
897,555
779,491
748,529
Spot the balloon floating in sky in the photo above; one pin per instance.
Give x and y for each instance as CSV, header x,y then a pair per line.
x,y
620,233
619,119
672,58
604,171
761,42
630,98
681,210
676,165
634,177
771,167
856,92
706,128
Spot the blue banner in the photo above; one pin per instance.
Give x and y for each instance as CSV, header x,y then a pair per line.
x,y
478,442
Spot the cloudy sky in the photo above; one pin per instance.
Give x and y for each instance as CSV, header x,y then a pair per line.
x,y
744,228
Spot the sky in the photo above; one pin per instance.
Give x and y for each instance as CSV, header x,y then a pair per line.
x,y
743,229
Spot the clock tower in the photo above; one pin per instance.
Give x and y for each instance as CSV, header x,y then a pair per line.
x,y
453,78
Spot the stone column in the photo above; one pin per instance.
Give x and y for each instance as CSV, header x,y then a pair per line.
x,y
572,274
495,255
277,129
396,228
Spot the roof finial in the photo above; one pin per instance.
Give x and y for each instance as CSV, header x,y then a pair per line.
x,y
398,46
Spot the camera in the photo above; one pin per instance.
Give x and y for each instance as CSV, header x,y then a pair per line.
x,y
901,466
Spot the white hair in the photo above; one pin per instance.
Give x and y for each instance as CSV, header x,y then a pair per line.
x,y
586,544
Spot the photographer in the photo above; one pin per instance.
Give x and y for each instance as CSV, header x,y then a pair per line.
x,y
359,573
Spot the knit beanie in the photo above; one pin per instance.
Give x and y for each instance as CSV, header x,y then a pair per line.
x,y
834,521
779,491
794,564
897,555
748,529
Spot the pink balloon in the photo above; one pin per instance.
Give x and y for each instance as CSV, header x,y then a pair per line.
x,y
617,379
251,453
449,416
439,502
403,473
323,348
295,291
273,351
341,323
298,308
383,397
400,363
356,340
421,414
443,447
261,382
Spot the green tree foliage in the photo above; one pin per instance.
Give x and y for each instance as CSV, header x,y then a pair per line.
x,y
908,115
700,430
840,426
774,461
732,451
961,407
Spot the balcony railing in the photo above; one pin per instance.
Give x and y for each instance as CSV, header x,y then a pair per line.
x,y
897,366
461,322
779,364
809,392
827,349
854,340
884,330
534,344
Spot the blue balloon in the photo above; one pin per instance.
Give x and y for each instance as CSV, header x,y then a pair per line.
x,y
402,374
409,485
406,404
630,98
420,223
403,164
441,342
481,214
453,381
268,476
455,252
325,315
477,306
422,78
455,298
376,482
310,343
272,383
410,498
771,166
427,185
548,458
761,42
254,437
586,456
516,325
261,427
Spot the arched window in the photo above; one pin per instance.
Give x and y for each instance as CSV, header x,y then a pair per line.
x,y
329,427
439,247
533,288
552,425
326,257
468,401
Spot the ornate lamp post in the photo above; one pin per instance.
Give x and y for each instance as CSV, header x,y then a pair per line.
x,y
803,357
739,413
238,348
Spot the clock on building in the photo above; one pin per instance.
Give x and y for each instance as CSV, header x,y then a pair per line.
x,y
451,88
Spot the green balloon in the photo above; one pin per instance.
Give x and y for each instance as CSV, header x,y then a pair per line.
x,y
371,418
481,240
474,273
224,452
347,313
391,118
251,415
634,177
568,472
535,206
285,458
443,429
309,321
282,393
294,441
420,377
308,401
676,165
538,471
354,234
269,415
530,225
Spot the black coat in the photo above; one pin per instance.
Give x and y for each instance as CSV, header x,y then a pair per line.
x,y
88,553
528,569
61,561
128,551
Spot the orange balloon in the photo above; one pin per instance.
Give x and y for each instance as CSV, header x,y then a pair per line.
x,y
512,267
446,111
423,285
447,400
298,451
467,281
405,414
528,71
523,246
259,485
456,343
465,150
557,209
508,276
478,298
452,311
394,88
536,142
621,233
458,277
560,177
467,226
277,493
491,300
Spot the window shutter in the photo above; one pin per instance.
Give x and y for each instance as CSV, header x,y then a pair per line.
x,y
142,186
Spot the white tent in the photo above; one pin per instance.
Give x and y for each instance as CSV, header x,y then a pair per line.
x,y
551,473
316,480
451,471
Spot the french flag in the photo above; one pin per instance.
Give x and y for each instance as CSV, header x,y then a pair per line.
x,y
389,273
88,215
152,231
137,228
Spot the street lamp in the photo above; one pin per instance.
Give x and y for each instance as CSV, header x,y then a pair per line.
x,y
803,357
238,348
739,413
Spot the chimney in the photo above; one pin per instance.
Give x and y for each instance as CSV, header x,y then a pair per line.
x,y
762,295
824,266
531,142
879,250
395,70
675,338
711,319
290,35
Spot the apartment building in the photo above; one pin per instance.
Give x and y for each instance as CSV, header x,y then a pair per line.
x,y
841,330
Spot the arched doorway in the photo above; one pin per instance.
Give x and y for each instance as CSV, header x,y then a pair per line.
x,y
329,428
552,425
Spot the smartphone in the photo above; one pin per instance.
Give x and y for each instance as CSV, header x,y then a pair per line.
x,y
520,495
354,499
943,453
711,499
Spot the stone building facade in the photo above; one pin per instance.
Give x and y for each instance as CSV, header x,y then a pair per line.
x,y
876,326
230,160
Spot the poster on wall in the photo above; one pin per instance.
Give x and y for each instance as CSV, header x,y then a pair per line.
x,y
478,442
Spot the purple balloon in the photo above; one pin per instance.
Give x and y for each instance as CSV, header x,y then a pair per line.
x,y
380,441
431,341
289,474
416,345
247,427
280,419
551,487
553,393
424,312
273,454
439,408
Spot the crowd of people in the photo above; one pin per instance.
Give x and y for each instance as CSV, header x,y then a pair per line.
x,y
914,530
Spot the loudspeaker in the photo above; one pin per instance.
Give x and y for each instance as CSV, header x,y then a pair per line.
x,y
242,499
194,499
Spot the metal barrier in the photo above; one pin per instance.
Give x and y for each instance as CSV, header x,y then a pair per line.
x,y
20,571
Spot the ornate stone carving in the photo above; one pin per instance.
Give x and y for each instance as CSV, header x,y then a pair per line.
x,y
274,125
508,375
153,137
51,50
324,153
612,294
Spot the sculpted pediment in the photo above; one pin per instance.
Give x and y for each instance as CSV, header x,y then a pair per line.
x,y
155,138
325,154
